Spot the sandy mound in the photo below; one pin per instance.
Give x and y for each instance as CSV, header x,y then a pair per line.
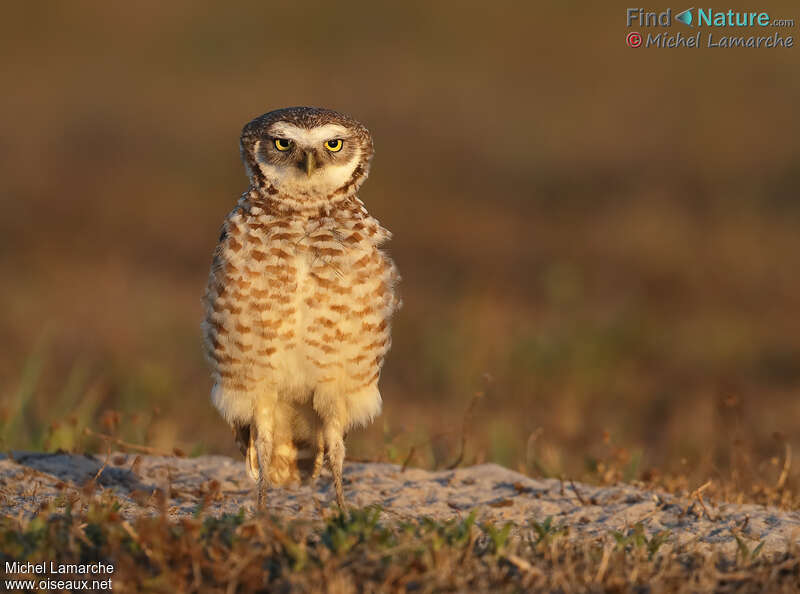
x,y
28,480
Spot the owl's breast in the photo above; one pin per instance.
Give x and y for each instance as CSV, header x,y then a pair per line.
x,y
348,301
300,304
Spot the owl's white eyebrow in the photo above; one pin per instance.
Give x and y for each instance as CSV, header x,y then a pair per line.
x,y
306,137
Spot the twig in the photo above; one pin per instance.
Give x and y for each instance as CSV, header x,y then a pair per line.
x,y
127,445
577,493
743,527
91,484
601,571
103,467
787,463
523,565
699,490
411,453
467,414
698,494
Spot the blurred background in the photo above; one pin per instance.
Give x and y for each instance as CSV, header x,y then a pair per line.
x,y
599,245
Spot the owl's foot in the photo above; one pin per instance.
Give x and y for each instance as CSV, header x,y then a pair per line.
x,y
337,482
334,441
261,496
251,459
319,456
262,446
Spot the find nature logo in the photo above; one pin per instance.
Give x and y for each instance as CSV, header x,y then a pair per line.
x,y
650,21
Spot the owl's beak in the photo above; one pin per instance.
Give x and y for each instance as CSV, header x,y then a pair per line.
x,y
309,163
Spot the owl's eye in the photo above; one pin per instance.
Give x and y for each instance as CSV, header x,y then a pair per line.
x,y
282,144
334,146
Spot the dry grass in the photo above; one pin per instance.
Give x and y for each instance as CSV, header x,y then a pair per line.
x,y
360,553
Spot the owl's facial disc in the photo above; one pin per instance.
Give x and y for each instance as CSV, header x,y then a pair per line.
x,y
307,161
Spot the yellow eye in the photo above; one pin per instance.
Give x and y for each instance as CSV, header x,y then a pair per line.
x,y
334,146
282,144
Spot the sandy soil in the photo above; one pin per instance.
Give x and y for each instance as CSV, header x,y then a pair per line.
x,y
28,480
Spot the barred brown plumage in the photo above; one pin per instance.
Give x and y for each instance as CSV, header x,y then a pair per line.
x,y
299,298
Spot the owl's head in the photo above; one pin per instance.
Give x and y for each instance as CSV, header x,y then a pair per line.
x,y
306,156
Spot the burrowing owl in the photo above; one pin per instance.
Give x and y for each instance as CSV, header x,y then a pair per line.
x,y
299,298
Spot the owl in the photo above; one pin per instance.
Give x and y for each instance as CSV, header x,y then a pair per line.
x,y
300,298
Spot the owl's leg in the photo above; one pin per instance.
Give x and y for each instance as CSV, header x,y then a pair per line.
x,y
245,439
319,457
334,442
251,458
263,422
